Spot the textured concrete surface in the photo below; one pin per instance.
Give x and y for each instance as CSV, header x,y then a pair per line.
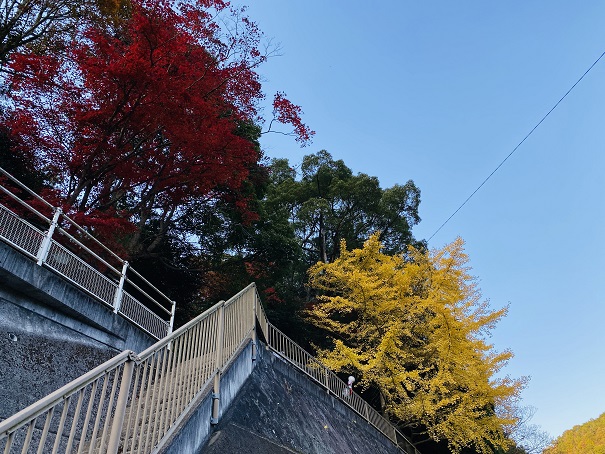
x,y
51,332
37,357
40,290
280,410
237,439
195,430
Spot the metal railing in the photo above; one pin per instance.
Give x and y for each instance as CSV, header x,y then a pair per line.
x,y
312,367
133,404
45,234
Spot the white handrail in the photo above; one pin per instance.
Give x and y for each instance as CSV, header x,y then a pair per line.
x,y
160,386
96,276
44,404
25,188
156,388
313,368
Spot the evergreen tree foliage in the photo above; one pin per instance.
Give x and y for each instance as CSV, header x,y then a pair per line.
x,y
305,214
328,203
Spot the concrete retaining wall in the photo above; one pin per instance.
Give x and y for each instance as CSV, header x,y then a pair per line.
x,y
51,332
280,410
269,407
195,430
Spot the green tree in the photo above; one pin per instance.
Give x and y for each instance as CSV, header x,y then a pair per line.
x,y
231,248
306,213
414,328
329,204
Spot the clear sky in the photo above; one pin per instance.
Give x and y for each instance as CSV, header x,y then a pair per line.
x,y
441,92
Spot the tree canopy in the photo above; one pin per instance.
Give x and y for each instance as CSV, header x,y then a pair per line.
x,y
588,437
146,121
328,203
141,119
414,327
43,24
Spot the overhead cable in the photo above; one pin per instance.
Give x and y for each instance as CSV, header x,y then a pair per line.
x,y
518,145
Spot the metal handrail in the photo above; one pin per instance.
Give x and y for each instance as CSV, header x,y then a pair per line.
x,y
135,403
74,240
139,276
156,389
321,374
23,203
90,392
98,277
25,188
178,332
44,404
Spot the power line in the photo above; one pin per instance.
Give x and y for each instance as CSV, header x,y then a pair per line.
x,y
518,145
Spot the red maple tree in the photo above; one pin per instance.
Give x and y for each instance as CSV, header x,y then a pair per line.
x,y
141,122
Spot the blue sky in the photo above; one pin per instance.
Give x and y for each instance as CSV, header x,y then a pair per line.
x,y
441,92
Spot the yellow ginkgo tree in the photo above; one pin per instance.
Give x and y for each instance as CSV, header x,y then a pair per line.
x,y
414,328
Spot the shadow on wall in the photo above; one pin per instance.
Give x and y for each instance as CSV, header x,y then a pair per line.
x,y
280,410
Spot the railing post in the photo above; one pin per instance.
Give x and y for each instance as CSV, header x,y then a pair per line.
x,y
254,334
172,311
45,247
171,325
117,300
120,411
216,390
